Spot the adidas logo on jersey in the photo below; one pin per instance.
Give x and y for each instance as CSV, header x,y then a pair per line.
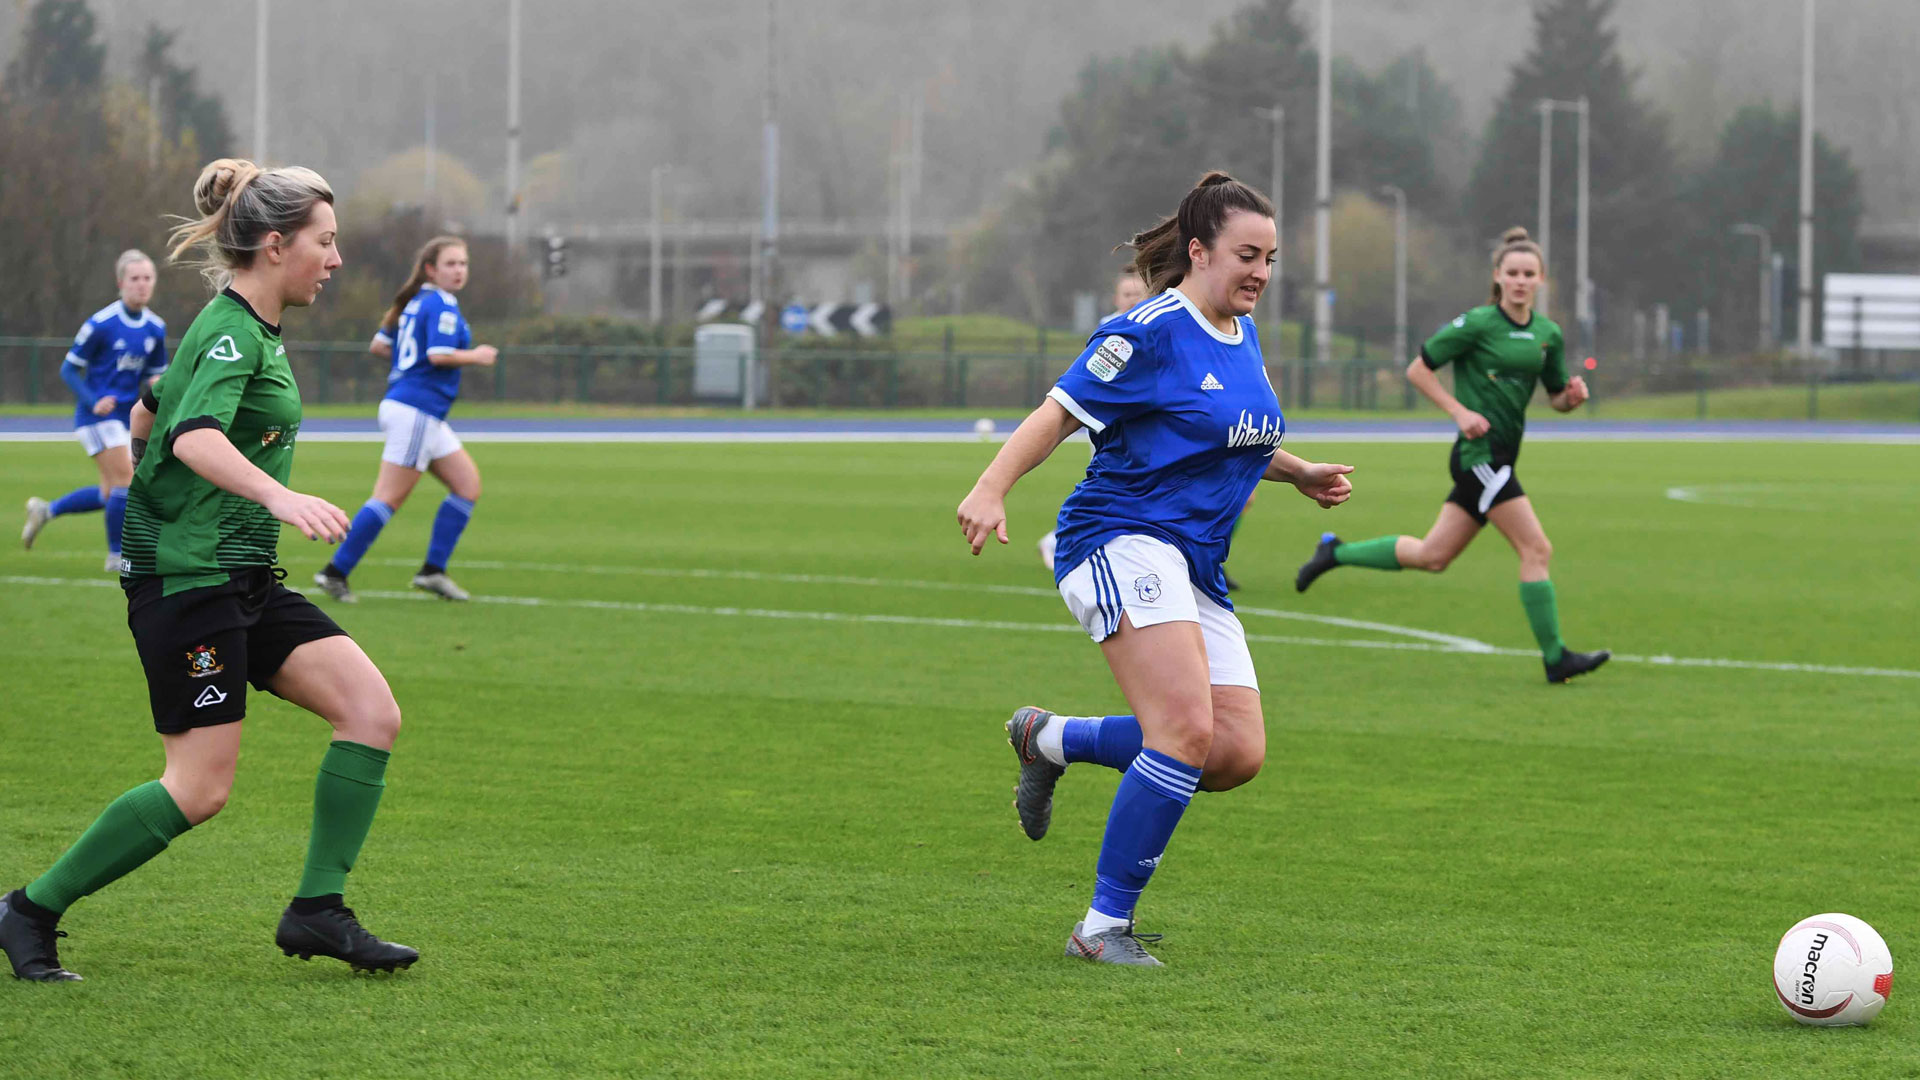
x,y
1211,383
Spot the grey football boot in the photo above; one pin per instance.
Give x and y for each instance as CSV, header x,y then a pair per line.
x,y
1033,795
439,585
39,512
1119,945
335,586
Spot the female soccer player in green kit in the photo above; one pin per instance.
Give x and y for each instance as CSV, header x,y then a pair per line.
x,y
1498,353
204,599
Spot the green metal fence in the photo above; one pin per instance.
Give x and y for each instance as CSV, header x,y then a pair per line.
x,y
878,378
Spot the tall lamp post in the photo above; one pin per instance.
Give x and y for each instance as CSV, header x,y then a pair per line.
x,y
1277,116
1806,180
1399,272
1323,199
1583,283
1766,281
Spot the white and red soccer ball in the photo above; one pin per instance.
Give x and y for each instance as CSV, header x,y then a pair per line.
x,y
1832,970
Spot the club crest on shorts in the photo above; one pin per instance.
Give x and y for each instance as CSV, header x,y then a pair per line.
x,y
1147,588
202,661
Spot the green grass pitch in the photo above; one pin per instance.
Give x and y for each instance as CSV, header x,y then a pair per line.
x,y
688,811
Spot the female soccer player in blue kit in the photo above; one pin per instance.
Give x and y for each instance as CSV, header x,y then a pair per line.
x,y
1184,424
430,342
121,349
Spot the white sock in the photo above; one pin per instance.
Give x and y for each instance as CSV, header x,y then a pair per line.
x,y
1051,742
1096,921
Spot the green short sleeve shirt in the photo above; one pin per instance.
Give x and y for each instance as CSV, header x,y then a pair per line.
x,y
1496,364
230,373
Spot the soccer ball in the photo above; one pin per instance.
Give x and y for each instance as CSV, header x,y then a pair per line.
x,y
983,427
1832,970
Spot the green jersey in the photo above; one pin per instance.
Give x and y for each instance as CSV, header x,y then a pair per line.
x,y
231,373
1496,363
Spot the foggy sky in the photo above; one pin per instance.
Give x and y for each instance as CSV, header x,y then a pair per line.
x,y
621,85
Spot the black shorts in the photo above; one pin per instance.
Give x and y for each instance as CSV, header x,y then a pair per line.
x,y
202,647
1483,487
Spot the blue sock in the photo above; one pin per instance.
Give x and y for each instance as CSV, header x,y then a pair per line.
x,y
1113,741
78,501
1153,793
366,529
448,524
116,516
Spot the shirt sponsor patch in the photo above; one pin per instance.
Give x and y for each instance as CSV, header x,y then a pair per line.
x,y
1110,358
449,322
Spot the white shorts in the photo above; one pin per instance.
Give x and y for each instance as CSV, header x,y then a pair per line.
x,y
415,440
104,435
1146,579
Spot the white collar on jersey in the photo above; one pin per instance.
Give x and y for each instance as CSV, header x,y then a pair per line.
x,y
1239,328
119,310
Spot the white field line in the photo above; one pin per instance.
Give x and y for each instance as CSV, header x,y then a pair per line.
x,y
1034,627
1460,644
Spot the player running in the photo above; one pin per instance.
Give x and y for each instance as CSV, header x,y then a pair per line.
x,y
117,352
430,342
204,599
1499,352
1184,424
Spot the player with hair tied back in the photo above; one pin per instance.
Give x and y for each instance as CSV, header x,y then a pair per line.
x,y
1499,352
1184,424
117,353
430,342
204,599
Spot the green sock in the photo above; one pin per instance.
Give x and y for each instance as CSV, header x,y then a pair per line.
x,y
1544,613
344,799
132,829
1376,553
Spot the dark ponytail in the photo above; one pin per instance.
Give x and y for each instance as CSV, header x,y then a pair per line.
x,y
1160,253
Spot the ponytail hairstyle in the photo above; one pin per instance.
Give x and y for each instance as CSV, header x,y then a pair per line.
x,y
240,205
428,255
1160,253
1512,241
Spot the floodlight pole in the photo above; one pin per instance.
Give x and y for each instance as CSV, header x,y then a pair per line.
x,y
1323,199
653,247
513,132
1806,180
1766,280
1399,272
1277,280
260,83
1582,283
769,245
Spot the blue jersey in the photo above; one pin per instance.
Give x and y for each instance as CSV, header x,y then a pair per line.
x,y
116,354
430,325
1184,423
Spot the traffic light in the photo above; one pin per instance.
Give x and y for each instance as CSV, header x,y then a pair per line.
x,y
556,256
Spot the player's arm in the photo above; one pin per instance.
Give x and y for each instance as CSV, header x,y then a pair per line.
x,y
382,343
450,343
207,451
983,512
1564,394
196,434
73,372
1323,482
1453,341
140,422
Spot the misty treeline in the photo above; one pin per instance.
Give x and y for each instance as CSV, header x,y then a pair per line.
x,y
1138,130
93,154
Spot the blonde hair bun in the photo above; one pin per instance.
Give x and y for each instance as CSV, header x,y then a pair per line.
x,y
1515,235
219,181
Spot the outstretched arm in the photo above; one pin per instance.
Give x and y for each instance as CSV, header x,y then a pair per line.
x,y
983,512
1324,483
